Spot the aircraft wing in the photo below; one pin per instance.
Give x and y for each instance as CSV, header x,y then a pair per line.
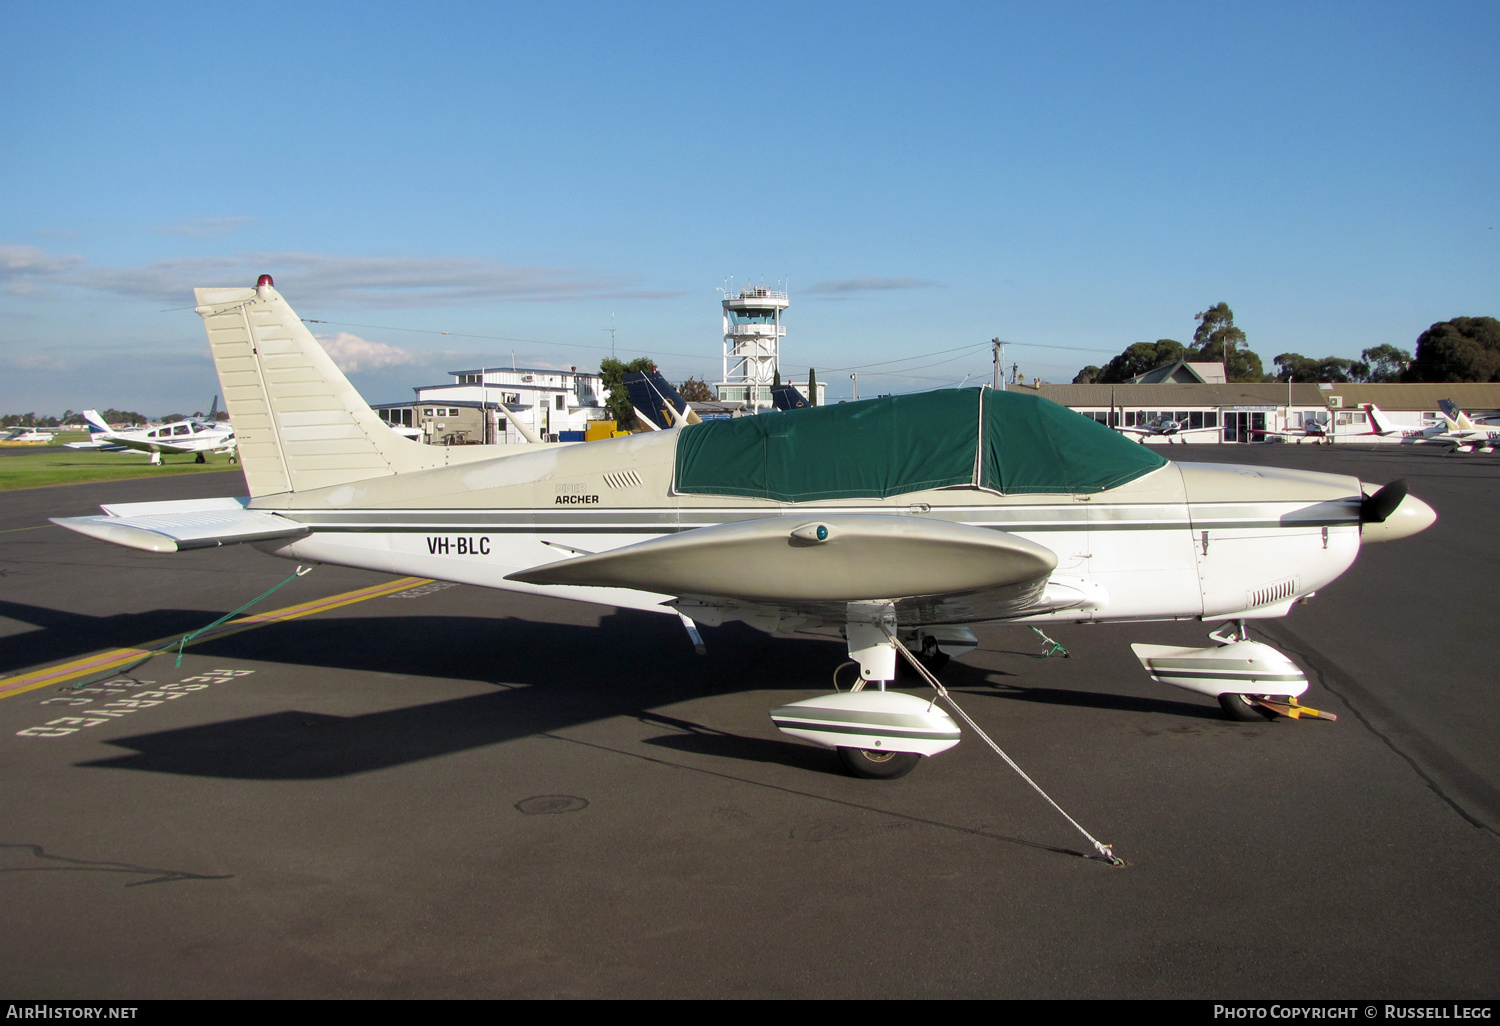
x,y
816,565
178,526
140,445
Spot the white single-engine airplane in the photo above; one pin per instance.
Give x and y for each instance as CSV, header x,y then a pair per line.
x,y
898,522
177,438
1455,430
1162,427
31,435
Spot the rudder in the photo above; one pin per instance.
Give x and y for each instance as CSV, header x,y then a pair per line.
x,y
299,423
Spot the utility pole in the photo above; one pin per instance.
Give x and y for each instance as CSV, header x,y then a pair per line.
x,y
998,349
855,378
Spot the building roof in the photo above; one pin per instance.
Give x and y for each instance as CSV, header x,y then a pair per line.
x,y
1180,396
467,403
1424,396
1468,396
1183,372
527,370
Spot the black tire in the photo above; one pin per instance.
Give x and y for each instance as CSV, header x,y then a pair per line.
x,y
1241,709
876,765
201,459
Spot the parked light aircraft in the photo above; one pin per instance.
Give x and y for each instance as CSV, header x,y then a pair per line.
x,y
27,435
897,522
177,438
1455,429
1162,426
1320,430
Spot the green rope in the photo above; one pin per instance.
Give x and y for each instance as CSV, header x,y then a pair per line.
x,y
189,637
1049,647
181,642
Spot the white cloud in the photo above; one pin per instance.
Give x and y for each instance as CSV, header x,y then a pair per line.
x,y
315,278
311,279
869,285
205,227
352,353
22,268
29,262
38,362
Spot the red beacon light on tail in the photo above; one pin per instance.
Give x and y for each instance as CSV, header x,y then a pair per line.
x,y
263,283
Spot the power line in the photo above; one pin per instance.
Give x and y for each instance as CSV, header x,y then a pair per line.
x,y
695,356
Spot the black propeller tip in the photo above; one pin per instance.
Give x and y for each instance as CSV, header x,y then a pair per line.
x,y
1373,509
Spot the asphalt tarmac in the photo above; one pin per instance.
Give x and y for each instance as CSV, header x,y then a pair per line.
x,y
454,792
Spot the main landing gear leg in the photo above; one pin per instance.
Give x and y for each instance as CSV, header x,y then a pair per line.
x,y
868,631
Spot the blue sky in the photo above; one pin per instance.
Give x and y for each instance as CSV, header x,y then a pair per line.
x,y
1072,178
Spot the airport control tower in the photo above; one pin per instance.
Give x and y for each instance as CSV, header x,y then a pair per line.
x,y
752,345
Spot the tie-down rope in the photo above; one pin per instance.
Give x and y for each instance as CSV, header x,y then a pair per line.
x,y
181,642
1103,849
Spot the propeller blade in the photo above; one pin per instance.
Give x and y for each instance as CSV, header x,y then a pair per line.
x,y
1373,509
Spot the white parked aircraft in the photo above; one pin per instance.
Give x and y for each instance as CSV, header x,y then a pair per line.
x,y
177,438
26,435
1163,427
897,522
1455,429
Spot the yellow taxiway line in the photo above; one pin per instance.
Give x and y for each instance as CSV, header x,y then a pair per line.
x,y
102,662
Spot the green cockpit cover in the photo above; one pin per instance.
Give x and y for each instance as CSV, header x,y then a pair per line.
x,y
1007,442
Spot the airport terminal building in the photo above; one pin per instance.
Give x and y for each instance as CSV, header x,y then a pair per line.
x,y
557,406
1242,412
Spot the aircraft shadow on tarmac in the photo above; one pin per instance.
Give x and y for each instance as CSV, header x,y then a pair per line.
x,y
556,676
65,635
549,677
1099,700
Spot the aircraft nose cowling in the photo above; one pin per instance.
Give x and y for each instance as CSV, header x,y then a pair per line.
x,y
1409,517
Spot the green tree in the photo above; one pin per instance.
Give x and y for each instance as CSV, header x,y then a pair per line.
x,y
696,390
1385,363
1334,369
1217,340
121,418
1140,358
1463,349
812,387
613,372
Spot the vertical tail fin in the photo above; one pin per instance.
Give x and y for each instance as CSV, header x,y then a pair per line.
x,y
1457,419
657,404
298,422
1378,423
786,397
96,423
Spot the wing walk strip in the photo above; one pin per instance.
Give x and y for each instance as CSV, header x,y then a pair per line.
x,y
104,661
